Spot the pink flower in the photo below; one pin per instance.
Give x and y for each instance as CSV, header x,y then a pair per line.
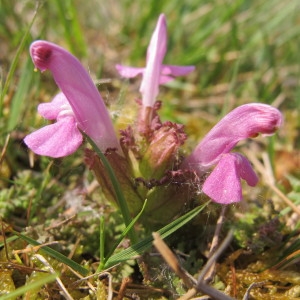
x,y
79,106
155,73
223,184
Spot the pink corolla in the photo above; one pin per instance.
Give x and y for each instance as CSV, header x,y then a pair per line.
x,y
223,185
155,73
78,107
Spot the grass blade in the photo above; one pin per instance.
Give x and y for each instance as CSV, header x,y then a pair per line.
x,y
18,102
15,62
124,233
53,253
73,33
25,288
138,248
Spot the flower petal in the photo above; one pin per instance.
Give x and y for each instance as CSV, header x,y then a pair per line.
x,y
155,55
246,171
51,110
243,122
174,71
129,72
163,79
224,183
89,109
56,140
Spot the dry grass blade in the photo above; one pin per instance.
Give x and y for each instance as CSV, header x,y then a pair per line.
x,y
33,249
2,155
59,282
269,180
214,245
103,274
187,278
252,286
171,260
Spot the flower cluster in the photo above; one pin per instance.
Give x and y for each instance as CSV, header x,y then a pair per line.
x,y
146,158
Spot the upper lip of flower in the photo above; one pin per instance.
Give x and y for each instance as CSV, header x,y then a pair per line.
x,y
245,121
155,73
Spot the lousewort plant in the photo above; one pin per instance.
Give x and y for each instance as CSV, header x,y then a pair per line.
x,y
146,159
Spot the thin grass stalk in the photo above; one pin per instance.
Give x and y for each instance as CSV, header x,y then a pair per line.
x,y
53,253
26,288
73,33
18,102
124,233
140,247
15,61
102,241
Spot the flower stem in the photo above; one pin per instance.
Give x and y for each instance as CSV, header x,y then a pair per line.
x,y
102,241
117,188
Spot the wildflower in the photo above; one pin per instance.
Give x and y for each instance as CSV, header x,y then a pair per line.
x,y
79,106
155,73
223,184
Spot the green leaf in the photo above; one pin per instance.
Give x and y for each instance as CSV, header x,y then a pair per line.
x,y
33,285
58,256
8,240
139,248
295,182
124,233
68,16
18,101
15,61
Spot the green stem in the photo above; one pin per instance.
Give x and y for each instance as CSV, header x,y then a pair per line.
x,y
117,188
127,229
102,241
